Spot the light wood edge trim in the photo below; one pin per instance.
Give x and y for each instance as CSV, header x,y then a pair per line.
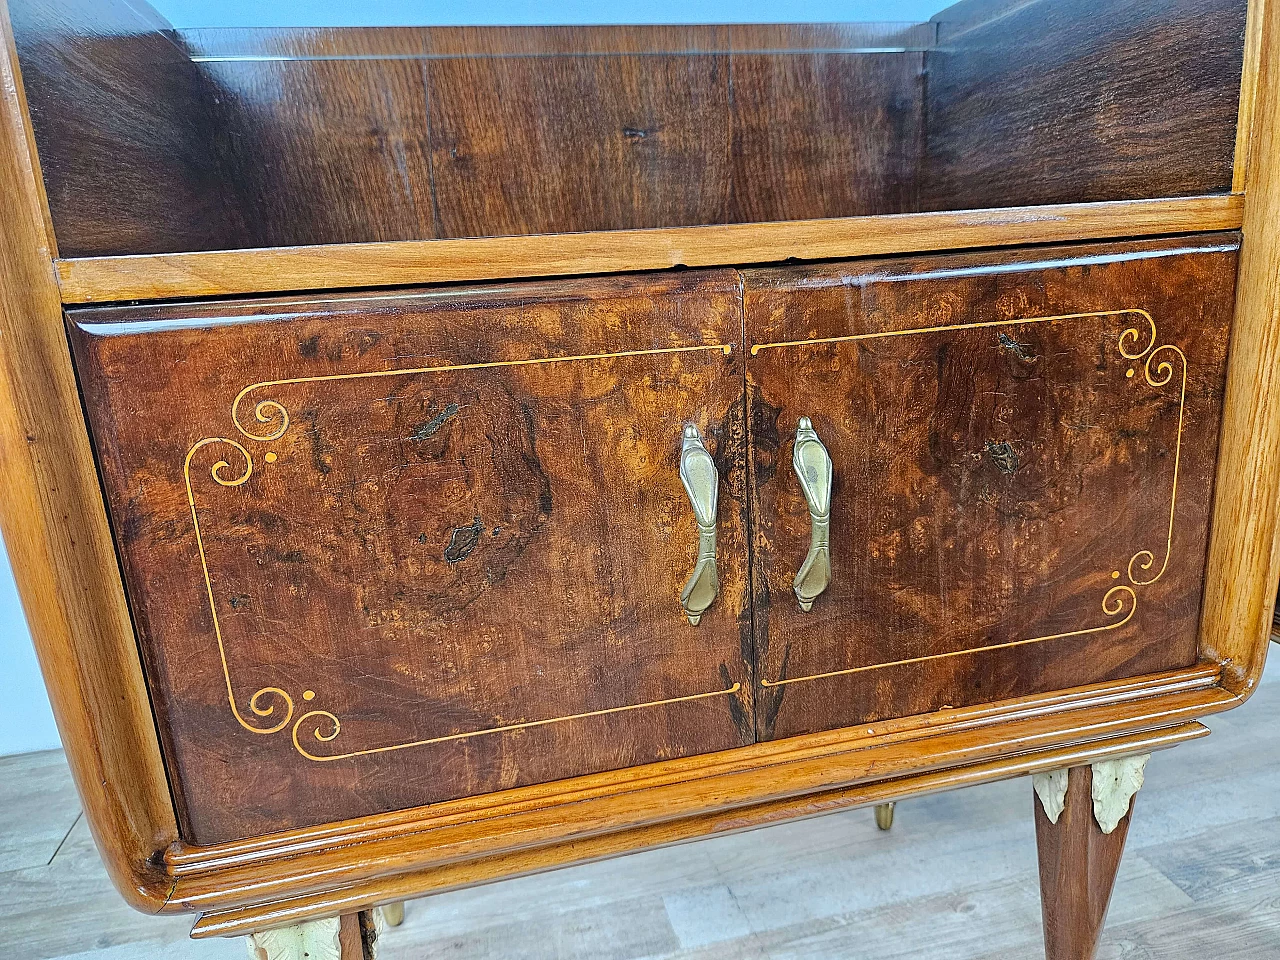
x,y
55,528
1248,92
182,860
386,889
403,263
319,871
19,99
1244,544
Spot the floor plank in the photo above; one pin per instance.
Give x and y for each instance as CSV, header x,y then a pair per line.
x,y
38,806
954,880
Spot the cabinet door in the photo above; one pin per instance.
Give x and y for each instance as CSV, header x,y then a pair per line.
x,y
1021,453
389,550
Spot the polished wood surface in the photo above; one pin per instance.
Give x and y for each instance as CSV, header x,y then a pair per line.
x,y
449,580
528,145
1035,90
222,273
57,535
474,674
389,886
1248,93
82,626
1078,865
121,117
337,866
1244,548
318,152
298,137
1024,449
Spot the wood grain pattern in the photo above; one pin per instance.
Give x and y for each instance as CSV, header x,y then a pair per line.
x,y
285,138
574,40
422,585
56,532
1248,93
1028,94
825,135
1078,864
81,623
324,151
125,128
526,145
1034,491
169,276
1244,548
233,920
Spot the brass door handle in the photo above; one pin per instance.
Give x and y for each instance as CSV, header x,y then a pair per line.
x,y
813,467
702,483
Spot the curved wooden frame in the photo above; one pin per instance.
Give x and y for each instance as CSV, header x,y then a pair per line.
x,y
55,525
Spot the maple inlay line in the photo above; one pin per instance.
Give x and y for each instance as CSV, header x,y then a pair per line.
x,y
268,411
1112,604
337,725
852,337
1156,374
266,701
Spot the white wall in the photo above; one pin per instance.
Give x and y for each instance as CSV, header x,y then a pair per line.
x,y
26,723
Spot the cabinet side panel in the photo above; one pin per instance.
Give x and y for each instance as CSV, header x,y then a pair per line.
x,y
127,126
55,529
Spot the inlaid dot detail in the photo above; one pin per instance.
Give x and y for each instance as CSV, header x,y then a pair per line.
x,y
311,694
1127,373
1115,574
271,456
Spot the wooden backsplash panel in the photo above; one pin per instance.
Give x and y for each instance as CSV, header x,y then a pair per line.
x,y
325,151
1084,100
416,133
825,134
524,145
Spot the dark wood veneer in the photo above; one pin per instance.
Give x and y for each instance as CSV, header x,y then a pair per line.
x,y
422,133
428,554
991,482
1087,100
432,553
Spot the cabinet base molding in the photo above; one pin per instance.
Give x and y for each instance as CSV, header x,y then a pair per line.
x,y
363,894
1079,856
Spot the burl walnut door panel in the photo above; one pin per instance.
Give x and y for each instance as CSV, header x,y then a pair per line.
x,y
1021,448
388,550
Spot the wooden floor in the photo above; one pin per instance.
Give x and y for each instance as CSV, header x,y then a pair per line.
x,y
954,880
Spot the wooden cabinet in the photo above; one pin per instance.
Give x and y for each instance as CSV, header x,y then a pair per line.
x,y
426,545
389,550
395,583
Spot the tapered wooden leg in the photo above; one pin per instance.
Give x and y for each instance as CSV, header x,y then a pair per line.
x,y
1078,860
393,913
353,936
